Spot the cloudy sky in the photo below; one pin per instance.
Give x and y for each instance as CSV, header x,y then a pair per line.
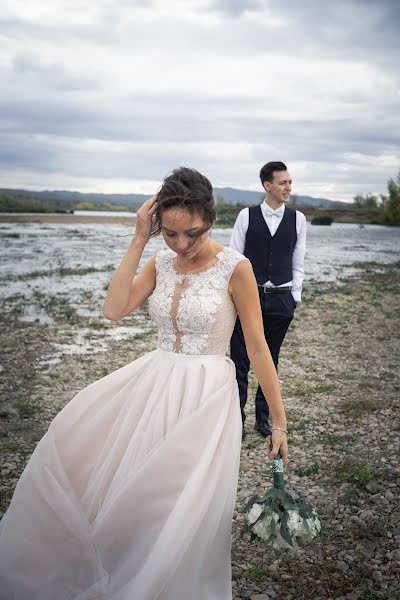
x,y
110,95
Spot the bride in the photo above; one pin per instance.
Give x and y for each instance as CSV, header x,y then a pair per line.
x,y
130,494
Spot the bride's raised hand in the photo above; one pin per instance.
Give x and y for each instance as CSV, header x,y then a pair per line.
x,y
144,219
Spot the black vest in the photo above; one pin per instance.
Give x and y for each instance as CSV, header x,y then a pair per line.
x,y
271,256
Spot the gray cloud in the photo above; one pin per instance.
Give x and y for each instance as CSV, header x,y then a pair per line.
x,y
169,118
356,28
237,7
130,92
50,74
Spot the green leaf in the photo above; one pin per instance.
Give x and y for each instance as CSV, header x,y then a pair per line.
x,y
249,504
276,507
284,530
306,525
281,494
270,540
292,494
270,494
289,504
305,512
260,518
273,528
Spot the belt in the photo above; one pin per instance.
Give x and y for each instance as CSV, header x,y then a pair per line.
x,y
275,290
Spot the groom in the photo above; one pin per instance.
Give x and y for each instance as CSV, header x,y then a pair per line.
x,y
273,237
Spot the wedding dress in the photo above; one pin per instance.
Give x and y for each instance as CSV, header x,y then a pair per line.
x,y
130,494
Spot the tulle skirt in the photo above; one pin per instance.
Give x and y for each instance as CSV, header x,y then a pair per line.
x,y
130,494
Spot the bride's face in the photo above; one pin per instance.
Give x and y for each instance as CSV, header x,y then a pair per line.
x,y
182,231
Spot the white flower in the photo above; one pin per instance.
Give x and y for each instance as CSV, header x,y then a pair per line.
x,y
298,529
254,513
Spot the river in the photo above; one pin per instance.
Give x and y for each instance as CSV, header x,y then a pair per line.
x,y
75,261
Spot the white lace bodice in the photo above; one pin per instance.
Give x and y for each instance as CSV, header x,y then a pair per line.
x,y
193,311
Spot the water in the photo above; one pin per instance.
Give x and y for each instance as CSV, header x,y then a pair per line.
x,y
49,268
105,213
332,251
27,248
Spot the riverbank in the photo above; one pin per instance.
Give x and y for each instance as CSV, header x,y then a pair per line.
x,y
339,379
226,216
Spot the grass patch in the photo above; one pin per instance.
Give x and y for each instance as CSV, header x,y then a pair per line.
x,y
143,335
300,425
62,272
10,235
359,474
390,315
357,407
58,307
9,446
333,439
326,512
307,471
374,531
257,573
303,392
292,414
27,410
351,497
251,444
325,387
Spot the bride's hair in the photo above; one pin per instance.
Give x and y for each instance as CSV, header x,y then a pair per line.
x,y
188,189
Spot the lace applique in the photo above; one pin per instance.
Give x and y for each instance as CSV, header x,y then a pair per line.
x,y
193,311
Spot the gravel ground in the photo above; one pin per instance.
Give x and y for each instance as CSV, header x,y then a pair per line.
x,y
339,378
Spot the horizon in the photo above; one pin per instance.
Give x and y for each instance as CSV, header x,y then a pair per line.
x,y
215,188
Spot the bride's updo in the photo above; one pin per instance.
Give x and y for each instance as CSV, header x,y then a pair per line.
x,y
188,189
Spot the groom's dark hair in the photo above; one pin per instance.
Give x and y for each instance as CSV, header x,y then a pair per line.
x,y
267,172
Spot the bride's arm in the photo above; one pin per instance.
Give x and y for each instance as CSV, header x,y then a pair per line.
x,y
244,293
126,292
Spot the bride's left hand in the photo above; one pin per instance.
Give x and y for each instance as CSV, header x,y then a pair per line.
x,y
279,444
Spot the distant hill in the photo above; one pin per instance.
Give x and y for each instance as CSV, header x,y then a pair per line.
x,y
231,196
73,197
235,196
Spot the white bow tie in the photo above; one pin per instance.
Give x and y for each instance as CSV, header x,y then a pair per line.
x,y
273,213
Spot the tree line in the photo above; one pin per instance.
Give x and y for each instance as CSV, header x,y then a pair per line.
x,y
28,204
387,204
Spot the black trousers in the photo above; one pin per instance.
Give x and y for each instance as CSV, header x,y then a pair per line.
x,y
277,313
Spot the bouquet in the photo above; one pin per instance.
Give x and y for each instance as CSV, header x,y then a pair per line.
x,y
280,517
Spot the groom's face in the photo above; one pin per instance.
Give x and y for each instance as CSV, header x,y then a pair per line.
x,y
280,187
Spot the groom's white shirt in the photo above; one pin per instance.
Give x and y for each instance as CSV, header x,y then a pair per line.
x,y
273,219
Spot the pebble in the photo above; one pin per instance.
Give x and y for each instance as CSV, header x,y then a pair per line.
x,y
354,595
372,486
366,515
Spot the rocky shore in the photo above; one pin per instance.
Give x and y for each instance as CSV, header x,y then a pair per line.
x,y
339,375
